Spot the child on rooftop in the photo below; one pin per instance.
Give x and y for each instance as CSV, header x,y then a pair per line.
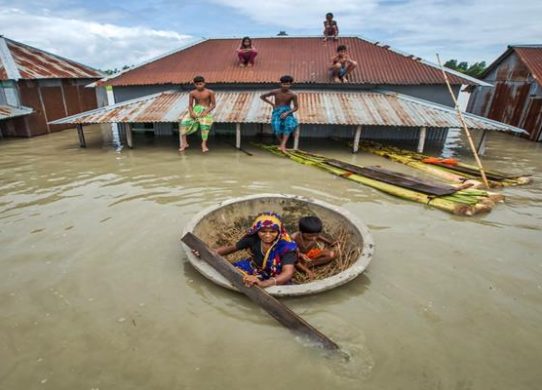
x,y
201,101
331,29
246,53
313,248
342,65
283,121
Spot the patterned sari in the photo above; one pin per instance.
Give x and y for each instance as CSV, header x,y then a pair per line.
x,y
272,264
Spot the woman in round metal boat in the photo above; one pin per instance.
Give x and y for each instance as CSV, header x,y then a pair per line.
x,y
225,223
273,252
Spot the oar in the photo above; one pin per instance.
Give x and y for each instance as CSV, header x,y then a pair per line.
x,y
276,309
464,124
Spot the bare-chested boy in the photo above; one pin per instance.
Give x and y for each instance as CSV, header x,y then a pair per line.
x,y
283,121
201,101
342,65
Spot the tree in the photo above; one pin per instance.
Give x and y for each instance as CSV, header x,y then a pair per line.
x,y
474,70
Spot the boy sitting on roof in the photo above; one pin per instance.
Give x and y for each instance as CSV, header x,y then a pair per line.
x,y
198,115
342,65
331,30
282,119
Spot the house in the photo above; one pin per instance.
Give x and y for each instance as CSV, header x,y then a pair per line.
x,y
390,95
515,97
37,87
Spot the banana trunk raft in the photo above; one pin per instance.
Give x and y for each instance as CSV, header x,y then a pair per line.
x,y
454,199
453,171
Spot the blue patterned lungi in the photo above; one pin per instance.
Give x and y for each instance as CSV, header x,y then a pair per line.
x,y
284,126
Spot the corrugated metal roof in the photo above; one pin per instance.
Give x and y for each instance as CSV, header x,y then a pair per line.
x,y
305,58
8,112
532,57
316,107
32,63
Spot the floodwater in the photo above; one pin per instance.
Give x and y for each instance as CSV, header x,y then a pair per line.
x,y
96,292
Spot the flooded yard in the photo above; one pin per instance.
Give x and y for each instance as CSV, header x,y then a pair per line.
x,y
97,293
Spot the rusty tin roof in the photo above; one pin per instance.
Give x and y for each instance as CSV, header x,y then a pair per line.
x,y
8,112
305,58
375,108
20,61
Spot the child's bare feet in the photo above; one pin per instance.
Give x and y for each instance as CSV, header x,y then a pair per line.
x,y
241,65
337,79
183,148
345,80
324,39
249,66
204,149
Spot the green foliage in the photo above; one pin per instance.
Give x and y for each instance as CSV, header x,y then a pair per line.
x,y
473,70
109,72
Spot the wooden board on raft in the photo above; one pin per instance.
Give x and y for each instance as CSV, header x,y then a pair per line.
x,y
475,172
396,178
275,308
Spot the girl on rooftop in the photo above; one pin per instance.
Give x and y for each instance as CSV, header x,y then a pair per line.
x,y
246,53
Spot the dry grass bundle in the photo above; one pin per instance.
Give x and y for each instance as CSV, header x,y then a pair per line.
x,y
347,252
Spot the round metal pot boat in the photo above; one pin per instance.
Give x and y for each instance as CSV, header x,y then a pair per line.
x,y
215,225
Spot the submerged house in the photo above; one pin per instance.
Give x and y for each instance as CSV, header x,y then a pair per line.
x,y
516,93
390,95
37,87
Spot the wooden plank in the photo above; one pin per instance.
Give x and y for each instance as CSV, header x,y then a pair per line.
x,y
82,141
276,309
396,178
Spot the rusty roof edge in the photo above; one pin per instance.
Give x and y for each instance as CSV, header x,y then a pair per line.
x,y
60,57
23,110
103,81
7,60
428,103
71,118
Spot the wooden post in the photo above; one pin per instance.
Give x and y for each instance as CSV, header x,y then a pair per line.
x,y
238,135
258,295
129,138
421,139
296,137
82,142
482,144
357,137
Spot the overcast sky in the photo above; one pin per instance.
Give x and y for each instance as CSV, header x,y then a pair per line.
x,y
106,36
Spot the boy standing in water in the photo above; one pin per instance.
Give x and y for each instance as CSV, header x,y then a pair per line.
x,y
198,115
282,119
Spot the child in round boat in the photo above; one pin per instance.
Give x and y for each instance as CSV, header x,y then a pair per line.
x,y
313,248
283,121
273,252
201,101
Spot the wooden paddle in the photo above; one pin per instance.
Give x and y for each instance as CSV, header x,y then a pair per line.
x,y
276,309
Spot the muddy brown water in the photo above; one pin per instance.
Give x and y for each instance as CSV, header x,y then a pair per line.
x,y
96,292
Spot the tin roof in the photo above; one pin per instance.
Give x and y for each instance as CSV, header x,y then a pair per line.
x,y
20,61
532,57
380,108
8,112
305,58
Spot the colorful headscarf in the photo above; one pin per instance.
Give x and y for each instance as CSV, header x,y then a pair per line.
x,y
272,264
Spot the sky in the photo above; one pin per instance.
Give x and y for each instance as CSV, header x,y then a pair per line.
x,y
106,36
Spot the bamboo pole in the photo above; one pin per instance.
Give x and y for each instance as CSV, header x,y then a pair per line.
x,y
462,120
